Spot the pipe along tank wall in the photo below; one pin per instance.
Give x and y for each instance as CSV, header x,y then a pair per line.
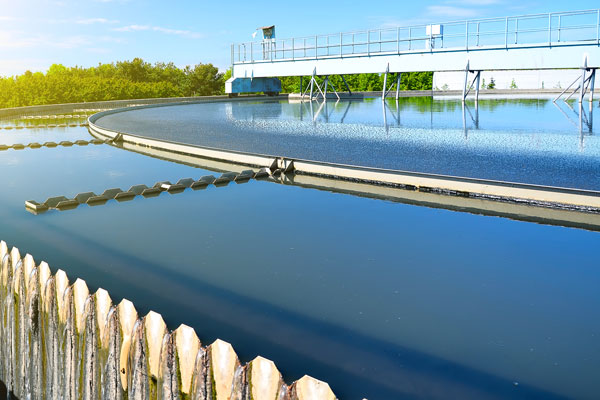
x,y
59,341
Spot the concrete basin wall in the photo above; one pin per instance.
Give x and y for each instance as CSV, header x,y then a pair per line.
x,y
59,341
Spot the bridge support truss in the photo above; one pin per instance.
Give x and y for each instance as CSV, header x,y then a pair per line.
x,y
586,82
385,90
468,86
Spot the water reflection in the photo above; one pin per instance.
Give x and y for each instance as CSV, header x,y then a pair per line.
x,y
520,140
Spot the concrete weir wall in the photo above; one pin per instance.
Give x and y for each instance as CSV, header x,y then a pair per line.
x,y
59,341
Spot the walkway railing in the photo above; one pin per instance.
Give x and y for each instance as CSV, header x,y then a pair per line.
x,y
551,29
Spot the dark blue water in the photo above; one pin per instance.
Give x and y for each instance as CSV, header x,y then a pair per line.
x,y
518,140
380,299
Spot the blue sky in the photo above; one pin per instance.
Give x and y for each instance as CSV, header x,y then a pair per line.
x,y
36,34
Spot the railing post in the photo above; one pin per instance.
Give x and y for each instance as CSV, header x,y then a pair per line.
x,y
550,29
516,30
232,56
327,44
398,41
506,34
368,43
477,34
316,47
341,45
304,47
380,40
467,35
598,26
409,38
353,43
252,51
559,23
293,49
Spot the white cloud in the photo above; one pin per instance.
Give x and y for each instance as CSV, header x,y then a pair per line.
x,y
132,28
90,21
168,31
18,40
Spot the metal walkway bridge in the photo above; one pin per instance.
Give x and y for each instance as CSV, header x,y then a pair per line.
x,y
561,40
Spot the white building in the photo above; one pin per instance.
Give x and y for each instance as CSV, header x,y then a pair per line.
x,y
522,79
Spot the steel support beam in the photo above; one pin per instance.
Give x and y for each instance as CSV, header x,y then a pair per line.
x,y
346,83
384,91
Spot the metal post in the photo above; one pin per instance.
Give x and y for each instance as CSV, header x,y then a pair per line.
x,y
506,34
252,51
516,30
293,49
592,81
347,87
300,83
559,28
398,85
380,40
398,41
341,45
477,88
464,96
582,86
368,43
383,92
467,35
409,38
312,83
478,34
304,47
326,84
550,29
327,44
316,47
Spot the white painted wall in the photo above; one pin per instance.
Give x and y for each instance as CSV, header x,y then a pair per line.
x,y
524,79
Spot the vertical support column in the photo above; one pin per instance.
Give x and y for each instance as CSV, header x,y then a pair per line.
x,y
592,82
398,85
312,83
464,93
582,84
383,92
477,88
347,87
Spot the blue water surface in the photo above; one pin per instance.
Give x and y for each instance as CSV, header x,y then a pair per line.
x,y
382,300
518,140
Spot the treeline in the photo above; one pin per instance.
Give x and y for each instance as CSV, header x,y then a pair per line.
x,y
138,79
116,81
364,82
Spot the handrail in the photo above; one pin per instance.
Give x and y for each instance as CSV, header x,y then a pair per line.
x,y
548,29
